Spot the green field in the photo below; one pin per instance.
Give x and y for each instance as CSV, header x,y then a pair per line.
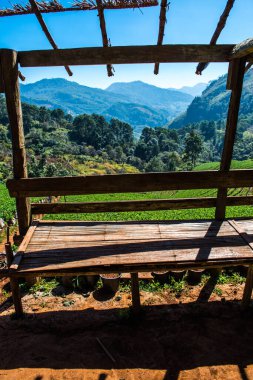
x,y
7,205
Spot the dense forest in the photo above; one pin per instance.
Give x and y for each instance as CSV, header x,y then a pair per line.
x,y
59,143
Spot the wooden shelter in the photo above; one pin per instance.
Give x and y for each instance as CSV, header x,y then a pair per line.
x,y
74,248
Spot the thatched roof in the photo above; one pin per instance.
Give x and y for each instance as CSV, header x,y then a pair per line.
x,y
38,7
53,6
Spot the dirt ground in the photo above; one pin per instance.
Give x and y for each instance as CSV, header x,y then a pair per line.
x,y
175,338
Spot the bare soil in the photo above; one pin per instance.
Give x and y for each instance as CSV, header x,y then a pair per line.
x,y
199,335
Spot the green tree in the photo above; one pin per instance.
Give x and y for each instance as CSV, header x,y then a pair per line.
x,y
193,146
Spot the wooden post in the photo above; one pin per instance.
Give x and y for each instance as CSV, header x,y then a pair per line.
x,y
248,288
9,66
135,293
235,83
14,283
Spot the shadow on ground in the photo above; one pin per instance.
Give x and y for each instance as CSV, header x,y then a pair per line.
x,y
172,338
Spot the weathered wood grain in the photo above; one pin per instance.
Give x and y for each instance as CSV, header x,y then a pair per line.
x,y
9,65
145,205
125,55
123,183
242,49
94,247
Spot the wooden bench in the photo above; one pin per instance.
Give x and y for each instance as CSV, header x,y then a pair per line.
x,y
62,248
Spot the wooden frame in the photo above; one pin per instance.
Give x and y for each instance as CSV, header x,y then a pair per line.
x,y
22,187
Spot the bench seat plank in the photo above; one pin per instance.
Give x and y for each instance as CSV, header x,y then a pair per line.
x,y
94,247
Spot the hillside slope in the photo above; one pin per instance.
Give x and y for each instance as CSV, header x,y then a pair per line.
x,y
213,103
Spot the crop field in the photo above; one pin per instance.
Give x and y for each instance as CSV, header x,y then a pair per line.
x,y
7,205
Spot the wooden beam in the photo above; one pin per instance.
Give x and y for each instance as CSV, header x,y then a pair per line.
x,y
104,33
235,83
1,80
145,205
12,93
242,49
46,31
162,22
220,26
136,302
125,183
125,55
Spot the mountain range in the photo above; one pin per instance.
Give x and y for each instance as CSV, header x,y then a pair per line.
x,y
137,103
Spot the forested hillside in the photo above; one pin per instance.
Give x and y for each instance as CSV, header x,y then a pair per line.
x,y
213,103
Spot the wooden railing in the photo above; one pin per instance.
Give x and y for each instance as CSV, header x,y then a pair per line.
x,y
136,183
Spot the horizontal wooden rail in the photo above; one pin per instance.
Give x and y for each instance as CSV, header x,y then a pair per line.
x,y
145,205
125,55
128,183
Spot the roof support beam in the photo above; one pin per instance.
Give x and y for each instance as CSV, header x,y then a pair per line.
x,y
125,55
235,83
105,40
221,25
45,30
162,22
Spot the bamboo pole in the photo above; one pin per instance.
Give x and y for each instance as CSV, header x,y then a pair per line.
x,y
162,22
220,26
105,40
46,31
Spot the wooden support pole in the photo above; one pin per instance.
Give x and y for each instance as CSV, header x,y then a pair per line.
x,y
11,86
235,83
1,80
14,283
248,288
46,31
135,293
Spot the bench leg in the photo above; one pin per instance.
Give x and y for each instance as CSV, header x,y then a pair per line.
x,y
16,297
135,293
248,288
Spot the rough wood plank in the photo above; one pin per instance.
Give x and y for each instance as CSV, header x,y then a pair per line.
x,y
125,55
12,93
145,205
123,183
19,255
248,239
236,82
242,49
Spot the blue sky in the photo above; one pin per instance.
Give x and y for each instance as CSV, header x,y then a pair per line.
x,y
189,21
